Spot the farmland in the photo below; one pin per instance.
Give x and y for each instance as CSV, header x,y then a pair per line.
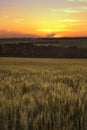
x,y
43,94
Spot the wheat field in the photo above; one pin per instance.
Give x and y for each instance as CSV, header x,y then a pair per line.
x,y
43,94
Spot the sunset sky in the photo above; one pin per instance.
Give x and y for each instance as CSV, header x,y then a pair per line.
x,y
43,18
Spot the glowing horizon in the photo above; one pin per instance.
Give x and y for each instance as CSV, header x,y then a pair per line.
x,y
43,18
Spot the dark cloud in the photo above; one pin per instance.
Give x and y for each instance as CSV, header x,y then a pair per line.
x,y
51,35
7,34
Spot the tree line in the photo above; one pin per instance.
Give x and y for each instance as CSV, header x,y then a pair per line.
x,y
31,50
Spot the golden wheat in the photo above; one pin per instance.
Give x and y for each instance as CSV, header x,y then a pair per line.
x,y
43,94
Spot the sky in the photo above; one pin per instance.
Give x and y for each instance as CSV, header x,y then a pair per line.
x,y
43,18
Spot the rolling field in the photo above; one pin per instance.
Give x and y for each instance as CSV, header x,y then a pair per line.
x,y
43,94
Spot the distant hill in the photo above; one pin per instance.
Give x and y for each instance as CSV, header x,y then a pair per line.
x,y
44,47
80,42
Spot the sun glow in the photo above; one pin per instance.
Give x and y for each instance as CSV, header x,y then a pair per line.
x,y
43,18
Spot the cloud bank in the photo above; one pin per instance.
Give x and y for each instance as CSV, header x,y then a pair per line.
x,y
9,34
77,0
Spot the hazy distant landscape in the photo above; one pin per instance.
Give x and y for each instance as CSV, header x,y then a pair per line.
x,y
44,47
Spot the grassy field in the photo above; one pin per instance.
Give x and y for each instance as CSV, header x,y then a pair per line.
x,y
43,94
